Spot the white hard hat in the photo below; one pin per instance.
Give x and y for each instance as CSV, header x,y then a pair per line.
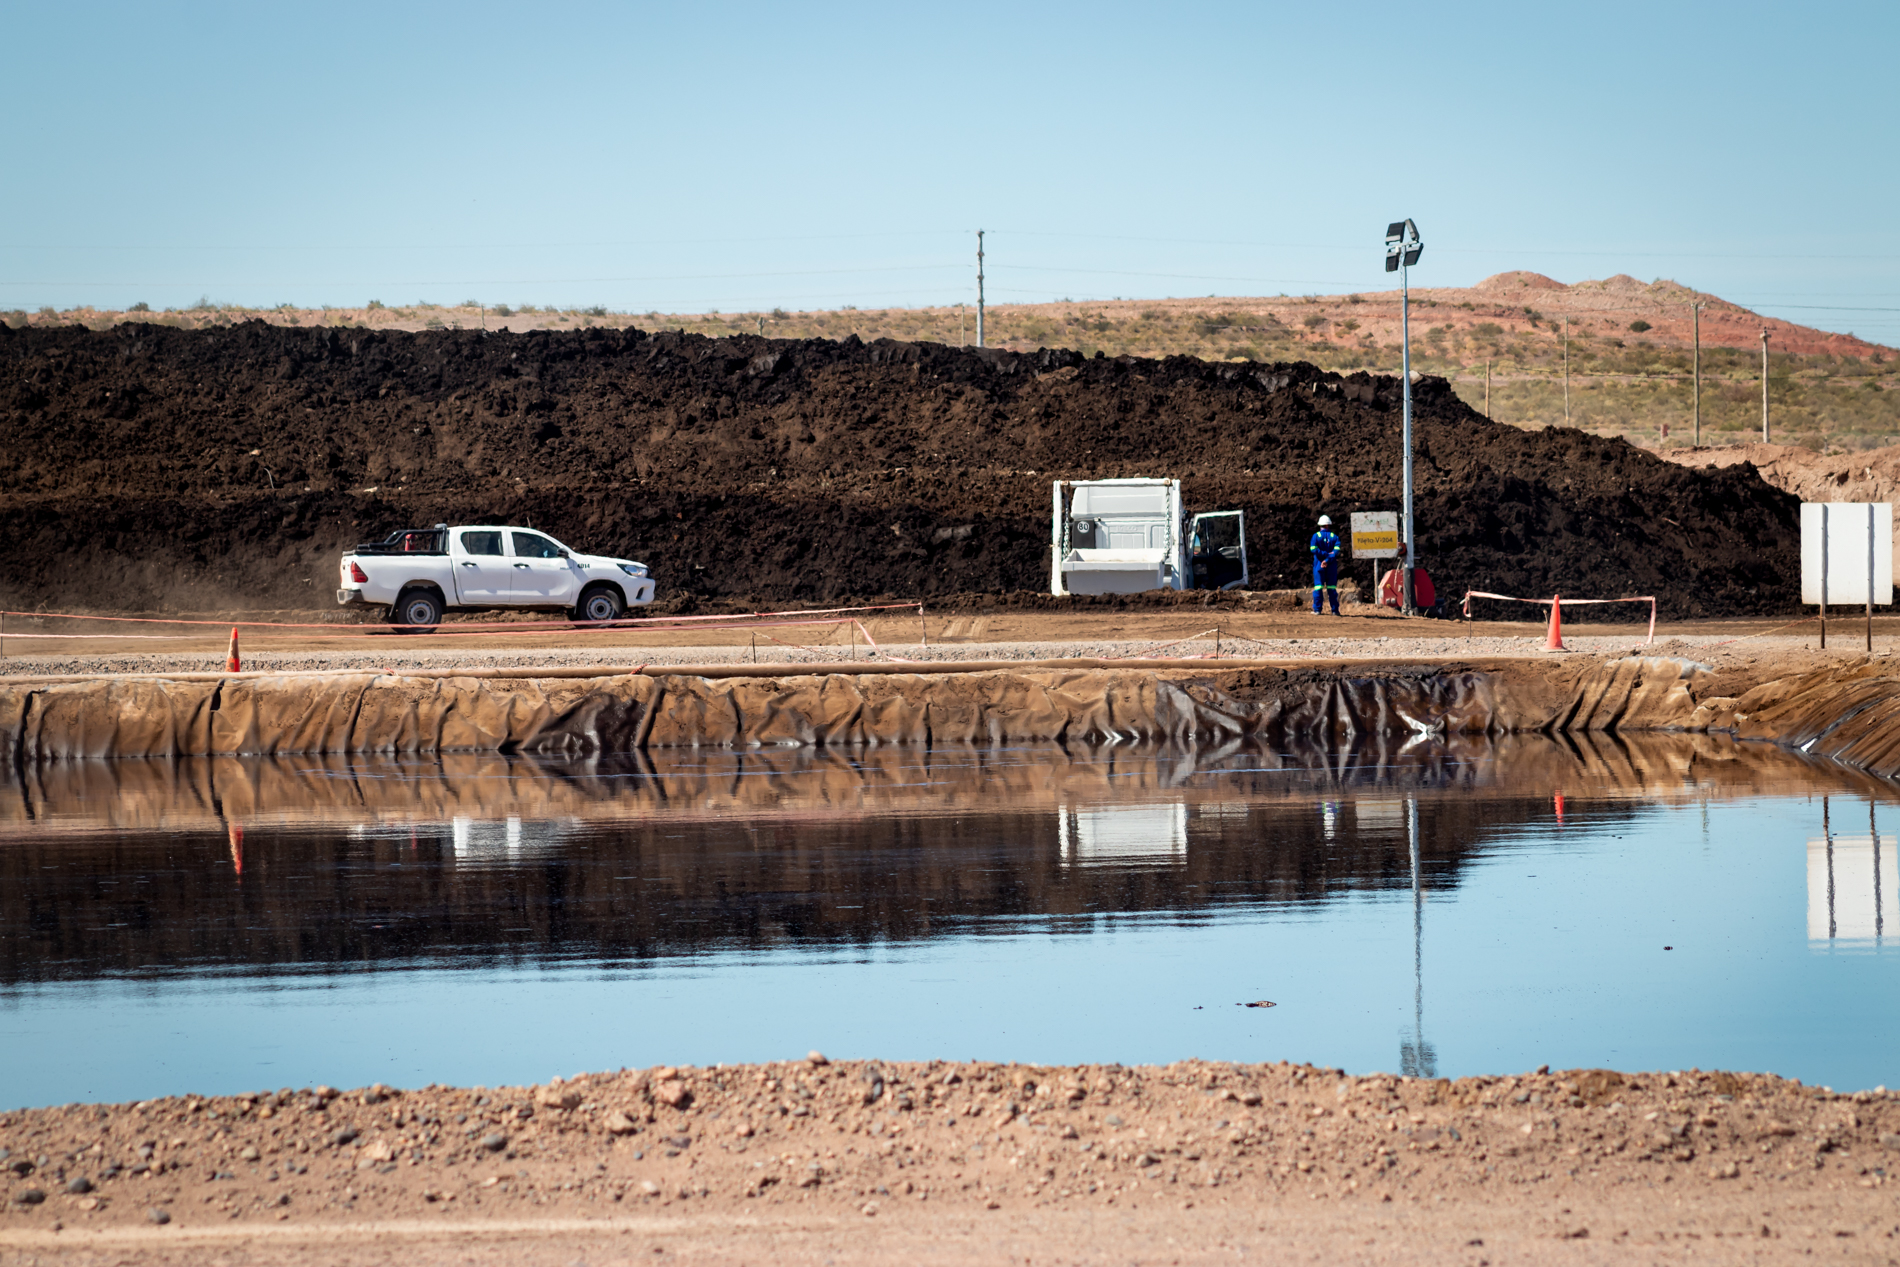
x,y
1325,521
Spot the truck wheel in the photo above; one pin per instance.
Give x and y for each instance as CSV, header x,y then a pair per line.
x,y
417,607
600,603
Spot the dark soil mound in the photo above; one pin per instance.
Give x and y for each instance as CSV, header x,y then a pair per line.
x,y
146,467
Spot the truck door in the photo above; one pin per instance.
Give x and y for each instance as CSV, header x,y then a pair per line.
x,y
544,575
483,575
1218,550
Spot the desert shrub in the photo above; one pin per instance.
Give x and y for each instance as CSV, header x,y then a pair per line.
x,y
140,306
1639,325
503,310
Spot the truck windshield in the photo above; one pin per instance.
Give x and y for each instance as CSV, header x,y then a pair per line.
x,y
532,545
481,543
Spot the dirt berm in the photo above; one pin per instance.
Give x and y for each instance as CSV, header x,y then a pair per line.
x,y
145,467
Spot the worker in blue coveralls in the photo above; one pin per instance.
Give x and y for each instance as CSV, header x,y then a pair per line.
x,y
1325,550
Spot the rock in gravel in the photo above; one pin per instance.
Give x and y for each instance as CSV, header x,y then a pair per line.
x,y
557,1097
79,1185
618,1123
649,1187
342,1135
675,1095
495,1143
158,1216
248,1153
28,1196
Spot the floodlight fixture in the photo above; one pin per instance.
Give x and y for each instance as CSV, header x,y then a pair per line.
x,y
1403,246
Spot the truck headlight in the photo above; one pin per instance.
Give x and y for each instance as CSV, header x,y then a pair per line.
x,y
634,569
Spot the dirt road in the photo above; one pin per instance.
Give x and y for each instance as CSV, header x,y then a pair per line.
x,y
1364,631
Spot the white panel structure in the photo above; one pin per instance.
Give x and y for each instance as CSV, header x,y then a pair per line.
x,y
1840,565
1853,889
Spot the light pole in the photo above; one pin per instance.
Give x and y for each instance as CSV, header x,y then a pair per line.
x,y
979,288
1402,249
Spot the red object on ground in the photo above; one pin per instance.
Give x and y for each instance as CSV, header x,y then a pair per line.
x,y
1392,593
231,663
1555,642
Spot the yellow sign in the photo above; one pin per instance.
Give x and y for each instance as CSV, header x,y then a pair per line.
x,y
1375,535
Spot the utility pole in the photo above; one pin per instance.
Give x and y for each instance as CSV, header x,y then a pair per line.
x,y
1487,389
979,288
1402,249
1764,384
1697,310
1566,371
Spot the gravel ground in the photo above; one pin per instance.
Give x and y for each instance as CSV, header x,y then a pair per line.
x,y
861,1162
625,657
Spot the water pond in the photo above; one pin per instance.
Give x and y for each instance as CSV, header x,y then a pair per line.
x,y
1662,903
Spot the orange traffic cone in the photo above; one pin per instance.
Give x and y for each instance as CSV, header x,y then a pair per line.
x,y
1556,640
231,664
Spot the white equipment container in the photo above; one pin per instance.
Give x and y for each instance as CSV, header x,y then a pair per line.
x,y
1129,536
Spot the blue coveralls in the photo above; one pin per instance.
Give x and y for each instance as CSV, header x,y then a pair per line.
x,y
1325,550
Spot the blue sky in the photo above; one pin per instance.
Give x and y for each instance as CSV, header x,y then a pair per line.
x,y
739,156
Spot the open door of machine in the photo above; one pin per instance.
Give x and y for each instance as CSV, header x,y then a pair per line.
x,y
1217,550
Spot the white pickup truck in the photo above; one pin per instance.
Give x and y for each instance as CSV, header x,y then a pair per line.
x,y
422,572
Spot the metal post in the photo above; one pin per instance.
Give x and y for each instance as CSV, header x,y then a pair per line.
x,y
1824,576
1764,385
1698,375
1058,542
1566,371
1870,577
979,288
1405,377
1487,389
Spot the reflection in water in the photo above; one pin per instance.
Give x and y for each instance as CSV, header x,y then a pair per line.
x,y
272,864
1852,882
1416,1058
1124,834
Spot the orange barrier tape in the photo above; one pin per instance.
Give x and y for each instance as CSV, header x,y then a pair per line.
x,y
1568,602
